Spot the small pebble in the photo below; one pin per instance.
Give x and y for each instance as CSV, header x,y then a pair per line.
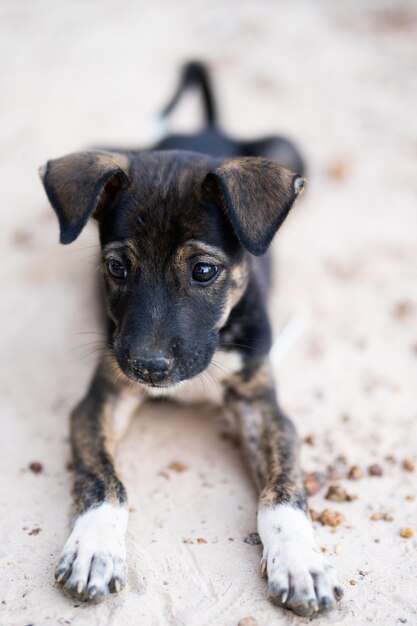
x,y
339,169
387,517
406,533
409,465
352,581
177,466
336,493
375,470
313,482
201,540
252,539
355,473
36,467
331,518
402,309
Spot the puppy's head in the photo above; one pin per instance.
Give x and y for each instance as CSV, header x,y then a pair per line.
x,y
175,229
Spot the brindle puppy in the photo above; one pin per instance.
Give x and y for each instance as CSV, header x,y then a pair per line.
x,y
184,290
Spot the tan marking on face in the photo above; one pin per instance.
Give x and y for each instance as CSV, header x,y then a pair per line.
x,y
239,281
200,248
119,248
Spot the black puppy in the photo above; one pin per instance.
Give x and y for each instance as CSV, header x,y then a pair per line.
x,y
181,228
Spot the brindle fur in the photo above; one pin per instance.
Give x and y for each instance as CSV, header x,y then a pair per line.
x,y
152,208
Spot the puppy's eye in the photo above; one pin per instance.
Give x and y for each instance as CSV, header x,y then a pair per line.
x,y
116,269
204,272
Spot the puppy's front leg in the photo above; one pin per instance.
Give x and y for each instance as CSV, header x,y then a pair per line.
x,y
93,561
299,577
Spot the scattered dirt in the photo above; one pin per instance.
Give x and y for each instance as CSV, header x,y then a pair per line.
x,y
355,473
402,310
177,466
375,470
36,467
331,518
35,531
409,465
336,493
387,517
252,539
314,482
339,169
310,440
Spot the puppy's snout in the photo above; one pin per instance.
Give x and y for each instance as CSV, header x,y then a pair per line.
x,y
151,368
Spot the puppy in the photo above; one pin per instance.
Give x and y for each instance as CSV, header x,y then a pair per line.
x,y
182,228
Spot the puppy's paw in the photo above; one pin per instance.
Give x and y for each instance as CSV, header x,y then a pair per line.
x,y
299,578
93,561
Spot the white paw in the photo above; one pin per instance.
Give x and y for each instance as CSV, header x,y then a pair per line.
x,y
299,577
93,561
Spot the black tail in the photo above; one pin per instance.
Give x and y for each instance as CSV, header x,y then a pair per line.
x,y
195,74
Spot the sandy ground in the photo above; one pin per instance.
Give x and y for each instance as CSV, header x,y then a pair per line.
x,y
340,78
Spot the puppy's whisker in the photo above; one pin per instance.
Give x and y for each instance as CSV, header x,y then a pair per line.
x,y
213,377
77,250
241,345
83,259
223,368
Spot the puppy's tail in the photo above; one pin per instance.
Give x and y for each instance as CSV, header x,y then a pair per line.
x,y
194,75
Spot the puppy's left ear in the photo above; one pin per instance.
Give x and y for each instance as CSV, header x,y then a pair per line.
x,y
256,195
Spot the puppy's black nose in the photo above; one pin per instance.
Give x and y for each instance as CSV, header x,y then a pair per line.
x,y
151,369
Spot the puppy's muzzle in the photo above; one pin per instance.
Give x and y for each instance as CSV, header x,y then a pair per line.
x,y
150,369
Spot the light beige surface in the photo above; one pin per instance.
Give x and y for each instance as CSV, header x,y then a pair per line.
x,y
340,78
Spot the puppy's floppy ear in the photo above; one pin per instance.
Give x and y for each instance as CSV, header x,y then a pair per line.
x,y
256,195
80,185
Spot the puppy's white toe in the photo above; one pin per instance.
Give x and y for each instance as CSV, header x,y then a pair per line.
x,y
299,577
93,561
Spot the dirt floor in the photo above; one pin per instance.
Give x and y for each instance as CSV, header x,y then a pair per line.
x,y
340,79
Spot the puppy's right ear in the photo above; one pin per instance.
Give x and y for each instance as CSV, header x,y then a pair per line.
x,y
81,185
